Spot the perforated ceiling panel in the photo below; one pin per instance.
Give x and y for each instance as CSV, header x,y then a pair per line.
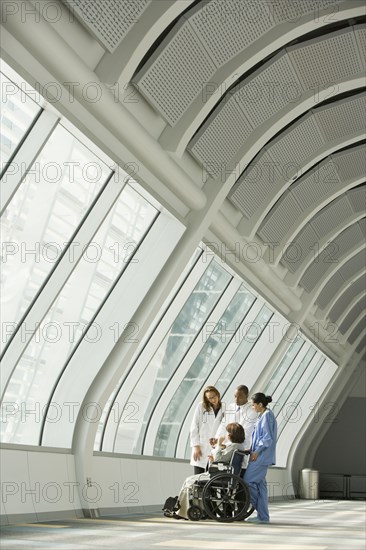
x,y
351,164
330,256
304,245
353,266
301,142
322,224
268,90
319,184
242,23
360,33
345,118
357,330
284,215
218,141
329,217
307,192
354,313
255,184
346,298
290,151
331,289
362,224
226,134
108,20
360,347
172,78
290,11
311,190
272,89
325,61
214,33
357,198
317,270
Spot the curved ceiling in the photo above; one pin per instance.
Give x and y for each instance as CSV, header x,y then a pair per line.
x,y
263,106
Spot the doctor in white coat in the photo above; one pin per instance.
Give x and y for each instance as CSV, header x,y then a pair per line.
x,y
240,411
206,421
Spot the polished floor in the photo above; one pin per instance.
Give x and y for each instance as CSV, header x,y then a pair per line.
x,y
295,525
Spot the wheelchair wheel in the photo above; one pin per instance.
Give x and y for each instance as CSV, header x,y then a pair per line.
x,y
194,513
248,513
225,498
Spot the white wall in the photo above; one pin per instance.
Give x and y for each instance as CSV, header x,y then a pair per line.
x,y
37,485
139,484
343,449
136,484
41,485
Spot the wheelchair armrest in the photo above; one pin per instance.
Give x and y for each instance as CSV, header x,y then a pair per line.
x,y
218,466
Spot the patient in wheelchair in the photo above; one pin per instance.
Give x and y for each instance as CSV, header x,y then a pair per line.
x,y
220,453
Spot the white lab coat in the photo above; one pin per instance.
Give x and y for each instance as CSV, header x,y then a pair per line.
x,y
245,416
204,426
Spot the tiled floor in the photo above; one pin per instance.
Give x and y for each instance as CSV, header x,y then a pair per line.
x,y
295,525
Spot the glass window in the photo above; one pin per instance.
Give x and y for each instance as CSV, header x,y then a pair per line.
x,y
18,111
284,365
289,386
282,399
42,217
111,407
248,339
170,353
201,368
306,383
306,401
250,336
71,315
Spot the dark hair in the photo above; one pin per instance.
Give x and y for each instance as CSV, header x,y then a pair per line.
x,y
206,404
243,388
261,398
236,432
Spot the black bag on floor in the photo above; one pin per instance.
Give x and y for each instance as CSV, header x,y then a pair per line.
x,y
171,505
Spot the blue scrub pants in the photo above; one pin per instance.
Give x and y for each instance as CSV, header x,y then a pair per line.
x,y
255,478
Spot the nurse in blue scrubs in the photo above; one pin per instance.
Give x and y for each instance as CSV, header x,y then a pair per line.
x,y
262,455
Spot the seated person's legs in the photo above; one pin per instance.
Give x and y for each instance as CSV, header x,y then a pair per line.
x,y
185,493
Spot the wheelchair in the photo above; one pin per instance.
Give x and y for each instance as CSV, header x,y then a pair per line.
x,y
224,497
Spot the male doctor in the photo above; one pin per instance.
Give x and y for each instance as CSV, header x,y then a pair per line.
x,y
242,412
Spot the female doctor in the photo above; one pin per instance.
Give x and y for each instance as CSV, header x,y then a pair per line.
x,y
206,420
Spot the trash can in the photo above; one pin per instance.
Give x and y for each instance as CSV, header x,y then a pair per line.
x,y
309,484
